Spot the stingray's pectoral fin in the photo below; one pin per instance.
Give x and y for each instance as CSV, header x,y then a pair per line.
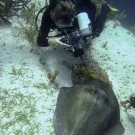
x,y
117,129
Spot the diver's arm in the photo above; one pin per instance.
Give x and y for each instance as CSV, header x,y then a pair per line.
x,y
99,21
42,39
104,12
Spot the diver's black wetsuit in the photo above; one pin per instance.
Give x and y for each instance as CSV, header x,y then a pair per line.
x,y
97,22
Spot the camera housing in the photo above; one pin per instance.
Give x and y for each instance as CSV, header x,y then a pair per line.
x,y
84,24
77,38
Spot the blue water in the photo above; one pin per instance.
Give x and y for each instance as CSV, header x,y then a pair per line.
x,y
129,7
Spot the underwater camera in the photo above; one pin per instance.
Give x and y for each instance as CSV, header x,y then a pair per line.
x,y
77,38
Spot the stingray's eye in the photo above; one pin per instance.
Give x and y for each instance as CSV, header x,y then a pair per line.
x,y
106,100
93,90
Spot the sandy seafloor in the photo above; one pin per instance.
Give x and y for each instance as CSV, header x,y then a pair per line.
x,y
28,100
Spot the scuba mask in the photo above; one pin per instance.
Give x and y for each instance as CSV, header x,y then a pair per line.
x,y
60,25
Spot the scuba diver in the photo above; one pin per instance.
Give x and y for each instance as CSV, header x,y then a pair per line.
x,y
75,20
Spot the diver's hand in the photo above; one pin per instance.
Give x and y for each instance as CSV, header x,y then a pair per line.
x,y
78,53
56,43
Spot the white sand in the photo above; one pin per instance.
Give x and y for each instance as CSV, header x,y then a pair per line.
x,y
117,58
28,100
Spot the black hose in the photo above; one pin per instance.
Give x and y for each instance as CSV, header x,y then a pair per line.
x,y
38,15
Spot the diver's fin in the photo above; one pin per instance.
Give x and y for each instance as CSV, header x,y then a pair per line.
x,y
112,9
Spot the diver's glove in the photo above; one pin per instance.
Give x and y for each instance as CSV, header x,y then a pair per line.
x,y
78,53
97,28
95,34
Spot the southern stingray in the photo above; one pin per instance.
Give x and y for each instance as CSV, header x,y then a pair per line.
x,y
88,108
